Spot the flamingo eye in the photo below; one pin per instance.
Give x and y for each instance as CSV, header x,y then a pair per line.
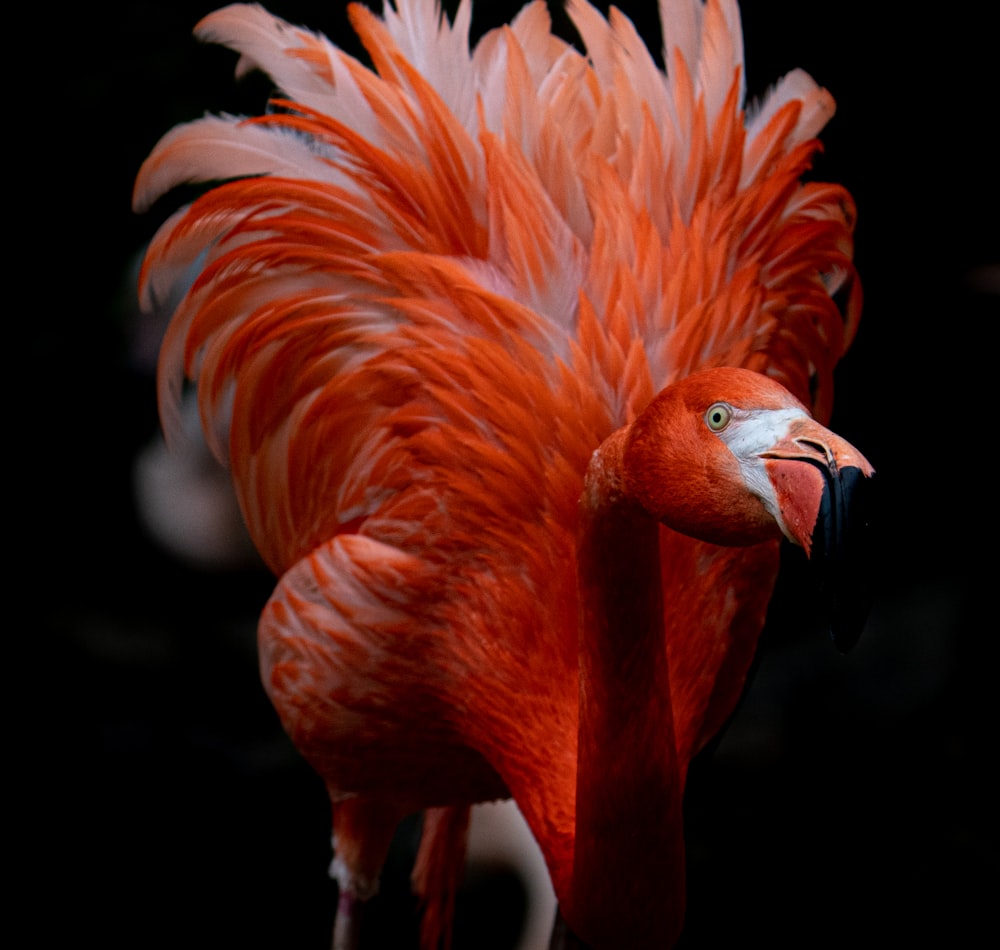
x,y
718,416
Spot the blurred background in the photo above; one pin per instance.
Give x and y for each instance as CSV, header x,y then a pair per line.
x,y
159,802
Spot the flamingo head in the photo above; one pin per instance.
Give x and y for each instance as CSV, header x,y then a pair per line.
x,y
731,457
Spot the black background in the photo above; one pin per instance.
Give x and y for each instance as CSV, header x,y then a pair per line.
x,y
160,804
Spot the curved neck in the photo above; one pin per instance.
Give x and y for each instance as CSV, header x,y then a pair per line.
x,y
628,850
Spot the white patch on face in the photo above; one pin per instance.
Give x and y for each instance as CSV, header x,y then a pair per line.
x,y
751,432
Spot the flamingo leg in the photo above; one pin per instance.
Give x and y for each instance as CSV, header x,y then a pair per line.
x,y
362,833
347,924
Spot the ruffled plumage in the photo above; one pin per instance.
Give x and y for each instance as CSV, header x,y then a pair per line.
x,y
418,301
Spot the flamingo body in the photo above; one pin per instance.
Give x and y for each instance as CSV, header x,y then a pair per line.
x,y
449,322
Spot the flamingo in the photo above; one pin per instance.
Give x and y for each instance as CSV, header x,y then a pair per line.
x,y
521,360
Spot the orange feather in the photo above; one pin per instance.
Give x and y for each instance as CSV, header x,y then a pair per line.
x,y
422,299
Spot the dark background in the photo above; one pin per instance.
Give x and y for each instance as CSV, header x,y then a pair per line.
x,y
852,799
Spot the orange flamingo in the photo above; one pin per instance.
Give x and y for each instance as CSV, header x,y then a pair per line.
x,y
516,356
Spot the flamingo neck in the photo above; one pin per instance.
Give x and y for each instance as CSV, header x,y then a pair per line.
x,y
628,850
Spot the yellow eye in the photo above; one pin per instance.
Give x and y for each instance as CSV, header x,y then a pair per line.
x,y
718,416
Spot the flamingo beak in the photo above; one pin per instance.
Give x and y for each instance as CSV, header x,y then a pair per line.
x,y
822,488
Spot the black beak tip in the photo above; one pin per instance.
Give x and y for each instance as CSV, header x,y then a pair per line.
x,y
843,549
